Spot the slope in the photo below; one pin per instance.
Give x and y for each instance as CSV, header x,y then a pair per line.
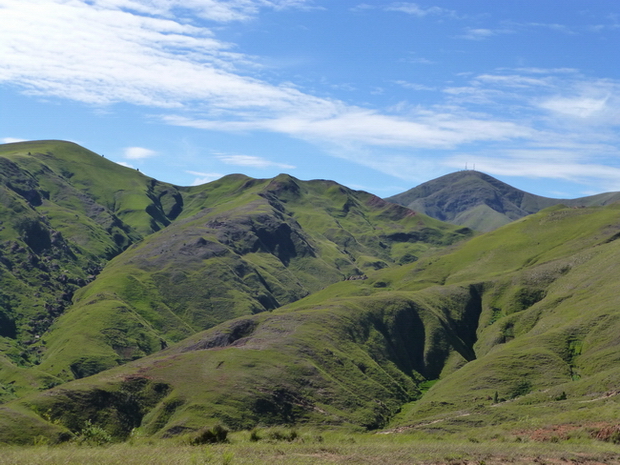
x,y
64,212
528,311
241,246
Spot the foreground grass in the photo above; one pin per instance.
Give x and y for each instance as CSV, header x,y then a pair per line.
x,y
323,449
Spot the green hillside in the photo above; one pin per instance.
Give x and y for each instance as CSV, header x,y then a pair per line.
x,y
186,258
252,246
248,302
64,212
517,327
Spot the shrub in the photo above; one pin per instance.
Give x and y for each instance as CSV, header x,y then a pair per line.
x,y
255,436
93,435
521,389
561,396
283,435
217,434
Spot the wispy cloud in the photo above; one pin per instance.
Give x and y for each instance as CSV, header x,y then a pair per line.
x,y
11,140
141,52
414,86
138,153
125,164
251,161
107,51
553,26
204,178
564,165
409,8
416,10
482,33
359,126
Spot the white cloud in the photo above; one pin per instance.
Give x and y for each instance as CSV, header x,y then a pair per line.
x,y
414,86
512,80
252,161
11,140
204,178
139,153
416,10
144,53
482,33
606,177
104,53
125,164
580,107
432,130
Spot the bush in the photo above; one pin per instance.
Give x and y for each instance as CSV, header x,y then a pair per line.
x,y
283,435
93,435
255,436
561,396
521,389
217,434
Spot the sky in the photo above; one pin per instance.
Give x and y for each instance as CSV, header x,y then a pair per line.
x,y
376,95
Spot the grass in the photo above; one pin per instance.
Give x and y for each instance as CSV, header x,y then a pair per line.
x,y
324,447
354,353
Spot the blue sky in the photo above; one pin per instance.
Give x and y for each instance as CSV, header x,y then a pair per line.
x,y
377,95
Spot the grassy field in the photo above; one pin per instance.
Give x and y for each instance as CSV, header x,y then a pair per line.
x,y
328,448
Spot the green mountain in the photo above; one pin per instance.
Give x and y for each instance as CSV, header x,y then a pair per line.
x,y
481,202
102,265
64,212
512,326
284,302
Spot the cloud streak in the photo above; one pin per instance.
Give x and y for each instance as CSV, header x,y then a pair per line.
x,y
139,153
252,162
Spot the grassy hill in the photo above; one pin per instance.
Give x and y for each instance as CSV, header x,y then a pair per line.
x,y
252,246
515,327
64,212
101,265
237,307
481,202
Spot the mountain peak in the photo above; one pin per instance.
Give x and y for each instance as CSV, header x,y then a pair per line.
x,y
472,198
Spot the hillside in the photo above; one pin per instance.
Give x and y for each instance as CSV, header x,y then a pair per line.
x,y
182,259
248,302
481,202
64,212
517,323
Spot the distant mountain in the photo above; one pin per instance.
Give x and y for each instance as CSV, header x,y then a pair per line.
x,y
481,202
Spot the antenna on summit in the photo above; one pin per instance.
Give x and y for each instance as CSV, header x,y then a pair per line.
x,y
465,166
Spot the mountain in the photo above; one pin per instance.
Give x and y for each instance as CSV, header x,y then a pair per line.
x,y
481,202
519,323
64,212
101,265
250,302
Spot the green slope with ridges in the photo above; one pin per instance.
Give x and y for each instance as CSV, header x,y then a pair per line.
x,y
252,246
535,324
64,212
350,363
519,322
